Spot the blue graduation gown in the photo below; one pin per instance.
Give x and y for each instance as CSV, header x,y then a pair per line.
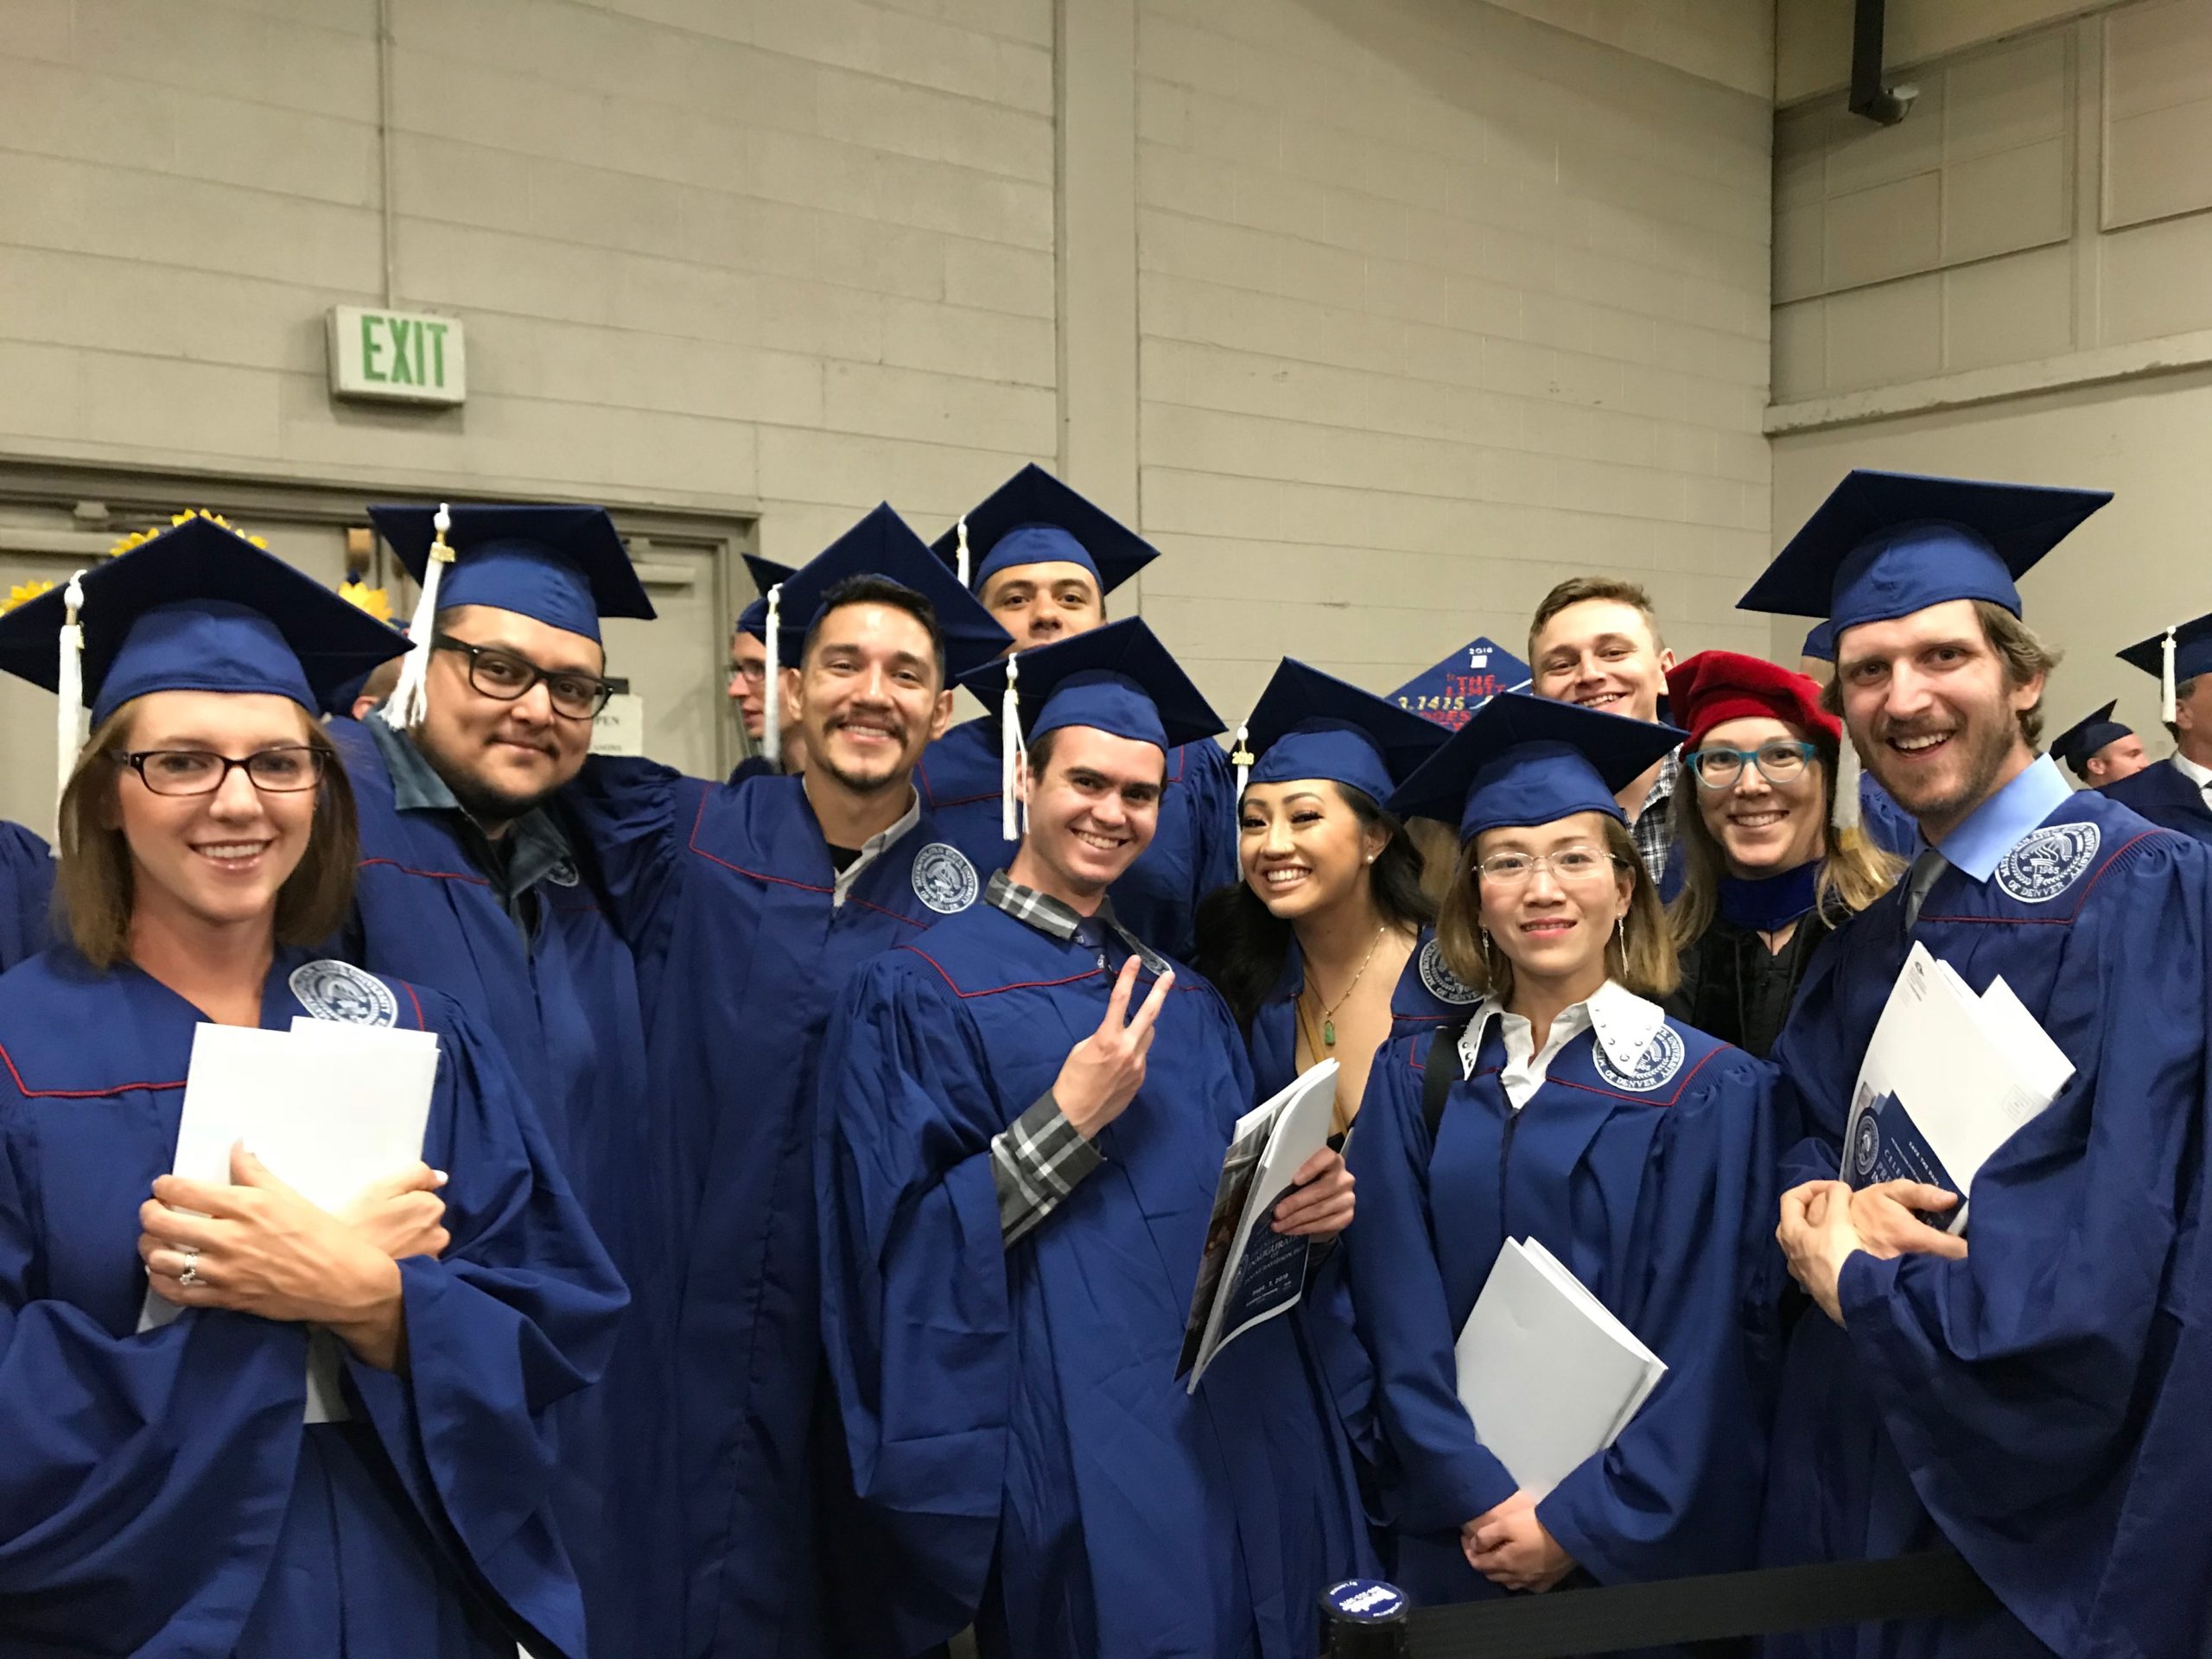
x,y
727,893
2000,1402
565,1009
26,894
160,1494
1888,825
1013,1415
1192,852
2161,793
1658,1199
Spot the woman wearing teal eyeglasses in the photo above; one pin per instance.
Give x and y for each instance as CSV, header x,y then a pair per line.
x,y
1765,875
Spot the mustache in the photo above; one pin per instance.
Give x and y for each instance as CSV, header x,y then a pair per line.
x,y
1921,726
889,722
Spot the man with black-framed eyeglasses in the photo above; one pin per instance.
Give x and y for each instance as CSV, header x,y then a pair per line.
x,y
473,881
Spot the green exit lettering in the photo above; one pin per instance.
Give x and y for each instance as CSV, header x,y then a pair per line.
x,y
403,352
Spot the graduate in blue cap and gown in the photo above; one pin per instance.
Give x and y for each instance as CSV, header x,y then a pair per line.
x,y
748,906
1638,1150
2099,749
1023,1121
26,894
772,739
1042,560
472,879
1886,824
165,1489
2031,1394
2178,794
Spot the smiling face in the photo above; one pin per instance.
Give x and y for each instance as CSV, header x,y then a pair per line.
x,y
1555,930
1039,603
868,697
218,859
1763,828
1601,653
501,759
1092,810
1302,848
1934,715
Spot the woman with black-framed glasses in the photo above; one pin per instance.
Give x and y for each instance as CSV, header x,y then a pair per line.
x,y
171,1482
1765,875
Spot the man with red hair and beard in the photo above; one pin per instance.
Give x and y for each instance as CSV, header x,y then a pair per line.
x,y
2029,1389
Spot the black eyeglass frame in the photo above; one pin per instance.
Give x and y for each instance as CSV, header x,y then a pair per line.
x,y
604,688
318,762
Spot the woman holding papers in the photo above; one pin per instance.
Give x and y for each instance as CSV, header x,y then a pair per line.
x,y
171,1483
1322,951
1572,1113
1765,876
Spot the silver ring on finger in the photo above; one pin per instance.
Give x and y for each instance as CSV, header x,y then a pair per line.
x,y
191,1274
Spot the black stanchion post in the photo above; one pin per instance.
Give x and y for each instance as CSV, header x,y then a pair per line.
x,y
1364,1619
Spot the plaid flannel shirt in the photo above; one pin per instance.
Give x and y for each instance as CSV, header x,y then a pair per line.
x,y
1039,1159
1654,829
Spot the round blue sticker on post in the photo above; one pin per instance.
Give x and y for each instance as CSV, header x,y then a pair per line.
x,y
1369,1601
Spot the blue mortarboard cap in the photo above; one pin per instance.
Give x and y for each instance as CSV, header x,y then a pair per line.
x,y
198,608
883,544
2192,651
1819,643
1033,518
563,565
2088,735
766,574
1885,545
1522,760
1308,724
1117,679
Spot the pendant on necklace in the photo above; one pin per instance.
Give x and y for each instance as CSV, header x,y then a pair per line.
x,y
1328,1033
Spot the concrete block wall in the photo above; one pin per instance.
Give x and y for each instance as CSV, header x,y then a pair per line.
x,y
791,252
1439,306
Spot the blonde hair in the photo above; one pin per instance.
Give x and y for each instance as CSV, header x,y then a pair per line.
x,y
93,884
1854,874
1640,955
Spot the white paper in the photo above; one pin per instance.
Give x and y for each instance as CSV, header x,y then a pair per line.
x,y
1240,1287
1548,1375
1950,1076
328,1107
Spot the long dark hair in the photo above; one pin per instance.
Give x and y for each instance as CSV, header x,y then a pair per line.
x,y
1242,946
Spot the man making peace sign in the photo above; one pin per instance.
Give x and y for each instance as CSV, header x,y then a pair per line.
x,y
1015,1179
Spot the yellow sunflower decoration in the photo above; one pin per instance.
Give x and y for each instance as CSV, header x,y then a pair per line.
x,y
22,593
375,601
137,537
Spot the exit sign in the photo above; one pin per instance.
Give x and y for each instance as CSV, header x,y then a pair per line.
x,y
407,356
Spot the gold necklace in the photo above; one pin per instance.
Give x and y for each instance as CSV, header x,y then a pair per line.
x,y
1329,1013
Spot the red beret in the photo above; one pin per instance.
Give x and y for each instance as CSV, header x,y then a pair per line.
x,y
1717,686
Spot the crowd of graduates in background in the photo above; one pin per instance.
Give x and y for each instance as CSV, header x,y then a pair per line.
x,y
820,1158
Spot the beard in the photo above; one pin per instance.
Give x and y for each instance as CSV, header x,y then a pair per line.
x,y
1981,743
484,802
894,771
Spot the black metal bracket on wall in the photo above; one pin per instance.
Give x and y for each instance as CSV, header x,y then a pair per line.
x,y
1884,105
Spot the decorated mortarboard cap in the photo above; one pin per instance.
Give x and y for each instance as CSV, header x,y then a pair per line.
x,y
2174,654
1885,545
2087,735
1521,761
766,575
1118,679
1308,724
1033,518
193,606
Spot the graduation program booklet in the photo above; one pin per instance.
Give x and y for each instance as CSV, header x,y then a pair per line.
x,y
1249,1272
1548,1375
1947,1077
329,1108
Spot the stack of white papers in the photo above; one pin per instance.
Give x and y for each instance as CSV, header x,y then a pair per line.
x,y
1948,1078
1250,1272
328,1107
1547,1373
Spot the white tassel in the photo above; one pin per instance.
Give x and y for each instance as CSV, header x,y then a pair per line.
x,y
410,699
1241,758
2167,698
69,687
1012,752
961,564
772,682
1846,784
